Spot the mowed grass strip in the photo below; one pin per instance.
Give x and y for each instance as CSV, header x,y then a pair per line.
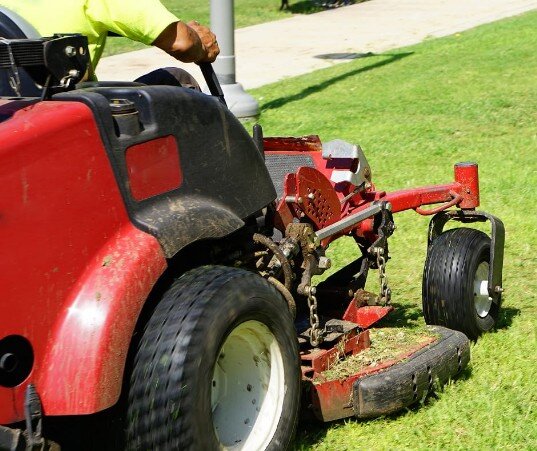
x,y
415,112
247,12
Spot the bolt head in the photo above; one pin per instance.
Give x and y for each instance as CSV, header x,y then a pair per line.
x,y
70,51
324,263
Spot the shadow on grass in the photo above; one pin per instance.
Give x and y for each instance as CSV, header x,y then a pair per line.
x,y
277,103
405,315
304,7
311,431
315,6
402,315
506,316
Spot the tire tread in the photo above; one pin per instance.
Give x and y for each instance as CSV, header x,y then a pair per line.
x,y
448,275
176,327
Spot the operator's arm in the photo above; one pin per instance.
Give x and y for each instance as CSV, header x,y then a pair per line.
x,y
150,22
192,43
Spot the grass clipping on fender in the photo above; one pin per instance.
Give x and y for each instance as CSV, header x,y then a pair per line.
x,y
388,343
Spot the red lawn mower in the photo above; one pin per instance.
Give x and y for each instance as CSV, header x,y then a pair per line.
x,y
158,264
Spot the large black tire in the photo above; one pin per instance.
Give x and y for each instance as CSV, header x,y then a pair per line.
x,y
219,349
454,283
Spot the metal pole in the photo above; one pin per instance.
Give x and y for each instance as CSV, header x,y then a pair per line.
x,y
223,26
242,104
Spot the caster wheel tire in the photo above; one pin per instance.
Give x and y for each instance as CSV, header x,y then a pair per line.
x,y
455,283
217,367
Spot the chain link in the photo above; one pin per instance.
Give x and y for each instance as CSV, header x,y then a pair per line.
x,y
385,291
315,330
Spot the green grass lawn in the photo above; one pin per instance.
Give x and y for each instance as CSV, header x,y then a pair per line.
x,y
416,111
247,12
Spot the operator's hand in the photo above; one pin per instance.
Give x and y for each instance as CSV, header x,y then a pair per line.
x,y
192,43
208,41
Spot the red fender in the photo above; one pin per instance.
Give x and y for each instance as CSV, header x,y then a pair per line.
x,y
84,365
75,272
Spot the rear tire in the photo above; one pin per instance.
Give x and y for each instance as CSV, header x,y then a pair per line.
x,y
217,366
455,281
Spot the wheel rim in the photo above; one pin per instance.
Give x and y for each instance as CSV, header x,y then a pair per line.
x,y
482,300
248,388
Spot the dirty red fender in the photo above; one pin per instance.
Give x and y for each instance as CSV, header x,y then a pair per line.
x,y
78,271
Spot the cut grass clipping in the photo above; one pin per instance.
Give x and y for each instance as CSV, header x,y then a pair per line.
x,y
389,343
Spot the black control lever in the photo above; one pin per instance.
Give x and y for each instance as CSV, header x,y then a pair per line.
x,y
212,81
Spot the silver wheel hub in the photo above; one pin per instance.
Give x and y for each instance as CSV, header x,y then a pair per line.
x,y
482,300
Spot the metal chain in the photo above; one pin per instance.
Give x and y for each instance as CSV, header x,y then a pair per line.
x,y
315,330
385,291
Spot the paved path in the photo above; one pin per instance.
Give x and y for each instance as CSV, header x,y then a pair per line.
x,y
276,50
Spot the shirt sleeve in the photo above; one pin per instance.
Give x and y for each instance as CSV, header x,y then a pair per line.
x,y
139,20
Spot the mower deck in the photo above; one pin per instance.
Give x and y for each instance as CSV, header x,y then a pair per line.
x,y
390,385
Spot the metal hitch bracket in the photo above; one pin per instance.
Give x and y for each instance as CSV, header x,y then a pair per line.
x,y
351,220
31,439
497,238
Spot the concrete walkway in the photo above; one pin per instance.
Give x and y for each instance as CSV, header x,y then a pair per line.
x,y
276,50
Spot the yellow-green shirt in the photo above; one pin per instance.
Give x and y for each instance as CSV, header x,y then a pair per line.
x,y
139,20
